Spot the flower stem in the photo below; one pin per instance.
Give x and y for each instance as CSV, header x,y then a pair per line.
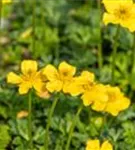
x,y
30,121
133,53
100,52
49,122
33,25
115,46
43,23
73,126
0,18
0,12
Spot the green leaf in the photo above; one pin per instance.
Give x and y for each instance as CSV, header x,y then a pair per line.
x,y
4,136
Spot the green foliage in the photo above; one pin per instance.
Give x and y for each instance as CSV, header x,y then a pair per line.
x,y
4,136
64,30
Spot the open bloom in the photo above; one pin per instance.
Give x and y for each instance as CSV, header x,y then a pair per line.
x,y
107,99
30,77
95,145
116,101
81,85
97,97
59,79
120,12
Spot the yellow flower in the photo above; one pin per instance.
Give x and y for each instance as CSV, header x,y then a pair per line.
x,y
96,96
81,85
6,1
106,98
30,77
59,79
116,101
120,12
95,145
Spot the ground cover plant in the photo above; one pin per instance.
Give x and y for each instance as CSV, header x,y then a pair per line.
x,y
67,75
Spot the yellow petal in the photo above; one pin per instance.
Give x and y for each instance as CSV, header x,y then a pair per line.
x,y
93,145
66,86
125,103
54,86
66,70
98,105
114,107
24,88
131,25
87,99
29,67
116,101
110,18
112,5
106,146
44,93
88,75
13,78
75,88
51,73
96,95
82,83
38,85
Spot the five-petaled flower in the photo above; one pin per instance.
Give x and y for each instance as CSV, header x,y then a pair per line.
x,y
116,100
30,77
60,79
95,145
82,85
120,12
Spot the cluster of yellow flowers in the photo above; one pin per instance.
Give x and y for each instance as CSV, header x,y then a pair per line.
x,y
103,98
50,79
120,12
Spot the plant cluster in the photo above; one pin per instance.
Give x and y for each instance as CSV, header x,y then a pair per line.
x,y
58,37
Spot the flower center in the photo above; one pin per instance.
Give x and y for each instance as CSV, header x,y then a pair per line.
x,y
65,73
88,86
29,77
122,13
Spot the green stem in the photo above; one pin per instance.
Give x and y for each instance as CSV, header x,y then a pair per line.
x,y
73,126
0,18
133,67
0,12
103,125
49,122
115,46
43,23
30,121
57,53
100,52
33,25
